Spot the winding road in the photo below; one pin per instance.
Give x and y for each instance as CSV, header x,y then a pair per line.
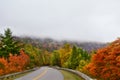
x,y
44,73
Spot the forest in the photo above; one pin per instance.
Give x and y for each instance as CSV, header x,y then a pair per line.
x,y
98,60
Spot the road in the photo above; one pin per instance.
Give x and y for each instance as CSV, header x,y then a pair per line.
x,y
44,73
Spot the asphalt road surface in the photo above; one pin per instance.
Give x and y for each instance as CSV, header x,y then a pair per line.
x,y
44,73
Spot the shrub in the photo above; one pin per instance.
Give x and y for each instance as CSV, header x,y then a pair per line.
x,y
14,63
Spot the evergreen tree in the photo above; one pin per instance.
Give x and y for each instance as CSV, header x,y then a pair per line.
x,y
74,58
8,44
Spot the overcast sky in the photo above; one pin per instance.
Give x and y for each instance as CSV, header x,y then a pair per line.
x,y
81,20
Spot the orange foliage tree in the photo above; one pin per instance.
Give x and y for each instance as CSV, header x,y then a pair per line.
x,y
105,64
14,63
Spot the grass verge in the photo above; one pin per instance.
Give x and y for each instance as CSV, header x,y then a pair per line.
x,y
70,76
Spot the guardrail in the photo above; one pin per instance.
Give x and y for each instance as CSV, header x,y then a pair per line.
x,y
84,76
14,74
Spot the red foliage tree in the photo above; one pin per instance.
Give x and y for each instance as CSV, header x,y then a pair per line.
x,y
105,64
14,63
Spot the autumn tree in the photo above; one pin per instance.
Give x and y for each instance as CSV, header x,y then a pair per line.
x,y
78,58
14,63
105,64
46,57
64,52
84,58
73,60
35,55
8,44
55,59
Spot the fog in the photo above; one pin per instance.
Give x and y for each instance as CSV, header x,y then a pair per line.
x,y
81,20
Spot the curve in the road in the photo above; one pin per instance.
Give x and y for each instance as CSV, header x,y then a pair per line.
x,y
44,73
40,75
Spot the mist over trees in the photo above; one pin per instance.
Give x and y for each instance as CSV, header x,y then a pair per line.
x,y
50,44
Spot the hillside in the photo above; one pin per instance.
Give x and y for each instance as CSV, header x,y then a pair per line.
x,y
50,44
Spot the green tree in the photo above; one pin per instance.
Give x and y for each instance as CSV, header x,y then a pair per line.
x,y
78,58
35,55
8,44
84,54
55,60
74,58
84,58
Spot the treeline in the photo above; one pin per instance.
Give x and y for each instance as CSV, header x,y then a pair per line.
x,y
18,54
12,56
51,45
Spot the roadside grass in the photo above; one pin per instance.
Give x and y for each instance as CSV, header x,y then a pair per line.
x,y
70,76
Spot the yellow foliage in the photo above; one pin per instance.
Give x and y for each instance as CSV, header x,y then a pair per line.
x,y
65,53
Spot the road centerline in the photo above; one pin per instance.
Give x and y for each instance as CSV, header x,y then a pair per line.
x,y
40,75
